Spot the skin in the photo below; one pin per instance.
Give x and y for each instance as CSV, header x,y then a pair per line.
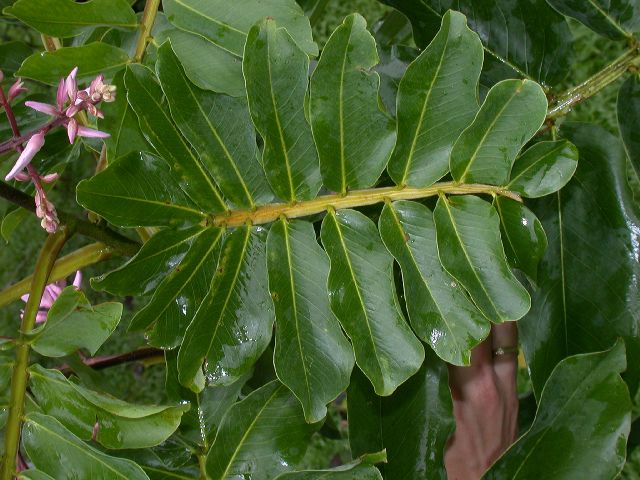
x,y
485,406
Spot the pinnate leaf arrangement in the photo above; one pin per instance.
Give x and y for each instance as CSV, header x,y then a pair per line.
x,y
320,221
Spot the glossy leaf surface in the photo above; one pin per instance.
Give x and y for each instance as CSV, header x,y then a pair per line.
x,y
12,54
437,99
146,270
469,245
233,325
527,36
523,237
121,123
629,119
72,323
544,168
66,18
120,424
439,309
362,295
177,298
34,475
219,128
587,295
360,469
615,19
353,136
587,387
413,424
276,70
260,436
312,357
91,60
145,97
511,114
138,189
56,451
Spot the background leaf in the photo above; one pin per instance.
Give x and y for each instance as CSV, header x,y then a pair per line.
x,y
120,424
413,424
67,457
585,386
276,70
469,246
615,19
353,136
66,18
362,295
629,119
441,314
442,80
312,357
260,436
91,59
587,295
72,323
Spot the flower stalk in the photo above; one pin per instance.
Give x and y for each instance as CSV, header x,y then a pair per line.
x,y
44,265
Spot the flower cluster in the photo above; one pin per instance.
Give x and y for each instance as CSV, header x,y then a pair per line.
x,y
69,103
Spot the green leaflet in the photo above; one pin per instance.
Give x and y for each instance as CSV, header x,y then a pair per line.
x,y
614,19
587,387
523,237
12,54
137,190
413,425
220,129
121,123
145,97
177,298
523,37
121,424
276,71
629,119
34,475
353,136
511,114
260,437
362,295
361,469
227,24
544,168
441,314
144,272
72,323
207,65
91,59
233,326
469,245
587,280
67,457
66,18
437,99
312,357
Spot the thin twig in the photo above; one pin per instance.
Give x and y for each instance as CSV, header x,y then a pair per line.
x,y
107,361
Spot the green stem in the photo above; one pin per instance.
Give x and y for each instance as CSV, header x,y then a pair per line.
x,y
65,266
357,198
612,72
48,255
148,18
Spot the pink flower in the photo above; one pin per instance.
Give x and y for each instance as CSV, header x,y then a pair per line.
x,y
43,108
71,85
50,295
90,132
72,129
34,145
46,211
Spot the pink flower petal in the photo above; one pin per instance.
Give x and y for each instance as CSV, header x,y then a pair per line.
x,y
34,145
77,281
43,107
22,177
60,94
71,84
90,132
16,89
52,177
72,130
